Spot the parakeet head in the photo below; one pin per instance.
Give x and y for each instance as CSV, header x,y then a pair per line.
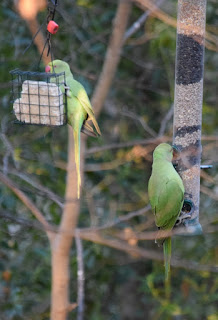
x,y
58,66
163,151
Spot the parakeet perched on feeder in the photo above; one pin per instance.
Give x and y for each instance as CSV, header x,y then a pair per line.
x,y
79,109
166,195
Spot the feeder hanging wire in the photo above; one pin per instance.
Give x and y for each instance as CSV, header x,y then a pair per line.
x,y
50,17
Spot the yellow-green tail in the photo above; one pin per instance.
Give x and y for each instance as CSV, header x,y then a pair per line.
x,y
167,257
76,134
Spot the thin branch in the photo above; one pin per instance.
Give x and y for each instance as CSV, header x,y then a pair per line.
x,y
161,15
139,142
127,144
38,308
137,24
80,277
120,219
146,254
141,121
121,245
156,12
47,192
23,222
92,167
112,57
8,146
27,202
207,177
209,193
165,120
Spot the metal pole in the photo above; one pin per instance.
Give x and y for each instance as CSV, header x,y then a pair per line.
x,y
188,100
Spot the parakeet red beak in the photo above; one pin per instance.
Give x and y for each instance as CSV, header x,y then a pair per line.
x,y
47,69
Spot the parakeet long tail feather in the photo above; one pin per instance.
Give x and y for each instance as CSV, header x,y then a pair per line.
x,y
76,134
167,257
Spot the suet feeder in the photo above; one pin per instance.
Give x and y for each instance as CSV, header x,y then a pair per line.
x,y
37,98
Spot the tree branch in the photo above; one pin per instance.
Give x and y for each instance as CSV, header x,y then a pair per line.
x,y
128,144
137,24
80,277
23,222
146,254
120,219
51,195
112,57
161,15
28,203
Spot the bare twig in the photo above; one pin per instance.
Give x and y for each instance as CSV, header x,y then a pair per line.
x,y
26,223
128,144
209,193
120,219
112,56
132,214
80,277
207,177
92,167
146,254
141,121
167,117
51,195
137,24
27,202
161,15
9,148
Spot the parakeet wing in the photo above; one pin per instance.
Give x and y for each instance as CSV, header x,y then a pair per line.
x,y
79,92
168,204
87,106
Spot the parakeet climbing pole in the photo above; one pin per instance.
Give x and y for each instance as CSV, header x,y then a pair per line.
x,y
188,99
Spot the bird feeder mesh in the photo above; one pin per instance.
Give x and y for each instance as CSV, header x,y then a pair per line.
x,y
38,99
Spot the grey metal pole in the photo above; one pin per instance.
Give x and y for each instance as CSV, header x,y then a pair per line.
x,y
188,100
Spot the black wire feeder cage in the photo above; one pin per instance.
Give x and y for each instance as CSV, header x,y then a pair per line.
x,y
38,99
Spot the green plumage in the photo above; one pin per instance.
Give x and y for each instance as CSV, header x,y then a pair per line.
x,y
166,195
79,109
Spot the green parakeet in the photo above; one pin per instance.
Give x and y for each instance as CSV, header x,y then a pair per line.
x,y
79,109
166,195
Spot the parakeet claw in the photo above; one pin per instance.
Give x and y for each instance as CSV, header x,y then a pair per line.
x,y
67,89
182,218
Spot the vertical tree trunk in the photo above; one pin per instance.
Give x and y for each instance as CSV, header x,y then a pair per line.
x,y
60,284
62,241
188,99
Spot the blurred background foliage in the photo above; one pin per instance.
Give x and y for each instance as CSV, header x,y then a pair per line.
x,y
118,285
